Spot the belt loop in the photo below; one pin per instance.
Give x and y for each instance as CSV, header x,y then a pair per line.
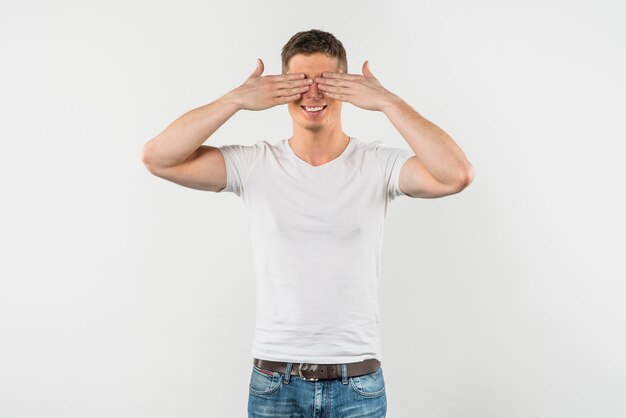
x,y
344,373
288,373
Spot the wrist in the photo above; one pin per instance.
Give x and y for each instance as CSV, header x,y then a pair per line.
x,y
231,100
392,101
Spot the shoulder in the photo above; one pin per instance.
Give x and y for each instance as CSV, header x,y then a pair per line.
x,y
256,146
248,151
365,148
385,153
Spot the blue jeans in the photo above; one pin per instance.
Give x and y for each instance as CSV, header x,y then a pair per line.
x,y
280,395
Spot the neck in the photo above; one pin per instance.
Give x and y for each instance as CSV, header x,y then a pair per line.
x,y
318,147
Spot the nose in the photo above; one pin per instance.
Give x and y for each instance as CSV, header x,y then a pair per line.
x,y
313,91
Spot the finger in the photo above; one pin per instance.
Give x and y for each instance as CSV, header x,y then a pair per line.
x,y
344,76
291,91
333,89
294,83
286,77
366,66
286,99
366,69
259,68
337,96
339,82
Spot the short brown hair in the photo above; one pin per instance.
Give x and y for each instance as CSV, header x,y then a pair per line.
x,y
313,41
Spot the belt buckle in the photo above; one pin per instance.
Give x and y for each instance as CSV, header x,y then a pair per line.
x,y
312,379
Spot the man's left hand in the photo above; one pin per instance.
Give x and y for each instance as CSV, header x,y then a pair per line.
x,y
364,91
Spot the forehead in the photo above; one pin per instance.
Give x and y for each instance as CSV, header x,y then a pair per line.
x,y
312,64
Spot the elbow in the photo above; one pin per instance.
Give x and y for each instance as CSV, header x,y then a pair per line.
x,y
467,176
464,178
146,158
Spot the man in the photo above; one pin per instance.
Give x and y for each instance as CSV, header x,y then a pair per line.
x,y
317,203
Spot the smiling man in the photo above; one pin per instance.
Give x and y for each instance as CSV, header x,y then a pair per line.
x,y
317,203
316,119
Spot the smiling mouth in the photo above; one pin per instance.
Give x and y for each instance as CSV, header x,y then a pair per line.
x,y
313,109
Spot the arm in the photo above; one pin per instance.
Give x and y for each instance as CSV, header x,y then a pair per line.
x,y
177,153
187,133
439,167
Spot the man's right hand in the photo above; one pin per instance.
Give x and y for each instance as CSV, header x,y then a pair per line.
x,y
262,92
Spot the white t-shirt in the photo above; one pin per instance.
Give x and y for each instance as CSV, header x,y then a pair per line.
x,y
317,237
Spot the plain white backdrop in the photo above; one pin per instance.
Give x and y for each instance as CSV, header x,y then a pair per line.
x,y
124,295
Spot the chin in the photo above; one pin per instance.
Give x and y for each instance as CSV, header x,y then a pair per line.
x,y
315,128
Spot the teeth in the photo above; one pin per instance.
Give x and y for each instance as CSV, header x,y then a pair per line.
x,y
313,109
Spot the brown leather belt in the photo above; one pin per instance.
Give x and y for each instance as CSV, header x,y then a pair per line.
x,y
313,372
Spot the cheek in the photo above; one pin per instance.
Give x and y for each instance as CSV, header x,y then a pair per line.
x,y
293,107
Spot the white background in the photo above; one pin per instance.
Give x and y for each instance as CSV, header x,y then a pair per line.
x,y
124,295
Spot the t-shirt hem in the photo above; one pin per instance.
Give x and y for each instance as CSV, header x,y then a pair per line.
x,y
395,176
313,359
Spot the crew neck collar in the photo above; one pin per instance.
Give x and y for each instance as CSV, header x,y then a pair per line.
x,y
339,157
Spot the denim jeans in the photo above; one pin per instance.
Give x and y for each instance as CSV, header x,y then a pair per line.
x,y
280,395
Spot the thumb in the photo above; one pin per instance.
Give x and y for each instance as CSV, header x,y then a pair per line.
x,y
366,69
259,68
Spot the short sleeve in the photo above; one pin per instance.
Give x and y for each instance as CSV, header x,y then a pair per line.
x,y
391,160
240,160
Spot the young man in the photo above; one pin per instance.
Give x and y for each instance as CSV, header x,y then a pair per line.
x,y
317,203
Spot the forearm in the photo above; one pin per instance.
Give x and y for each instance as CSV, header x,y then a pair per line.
x,y
187,133
435,149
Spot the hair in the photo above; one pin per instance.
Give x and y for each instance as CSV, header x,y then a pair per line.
x,y
311,42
